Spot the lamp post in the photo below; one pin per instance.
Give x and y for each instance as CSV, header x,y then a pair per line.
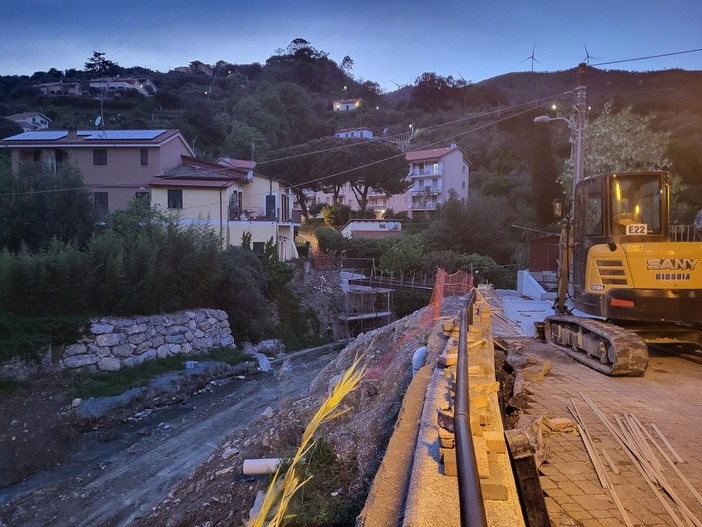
x,y
577,127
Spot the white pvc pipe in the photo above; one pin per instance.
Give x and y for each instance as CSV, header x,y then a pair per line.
x,y
260,466
418,359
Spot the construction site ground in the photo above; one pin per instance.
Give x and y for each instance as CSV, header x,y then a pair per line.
x,y
667,396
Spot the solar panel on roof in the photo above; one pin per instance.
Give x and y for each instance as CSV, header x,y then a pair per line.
x,y
38,136
125,134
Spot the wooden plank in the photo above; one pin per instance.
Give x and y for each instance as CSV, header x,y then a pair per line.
x,y
527,478
614,468
670,447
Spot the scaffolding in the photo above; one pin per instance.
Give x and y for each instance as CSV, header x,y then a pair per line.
x,y
366,308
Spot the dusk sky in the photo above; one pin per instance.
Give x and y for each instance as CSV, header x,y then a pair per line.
x,y
389,41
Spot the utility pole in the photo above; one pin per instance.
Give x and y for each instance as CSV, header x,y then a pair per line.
x,y
580,113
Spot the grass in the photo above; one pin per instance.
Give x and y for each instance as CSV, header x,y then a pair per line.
x,y
315,504
105,384
286,482
10,385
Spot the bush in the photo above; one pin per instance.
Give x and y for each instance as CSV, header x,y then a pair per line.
x,y
407,302
330,241
27,337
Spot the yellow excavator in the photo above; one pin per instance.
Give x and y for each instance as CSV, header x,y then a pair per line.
x,y
620,262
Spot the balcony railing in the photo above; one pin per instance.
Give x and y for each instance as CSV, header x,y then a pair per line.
x,y
424,172
429,205
432,189
260,214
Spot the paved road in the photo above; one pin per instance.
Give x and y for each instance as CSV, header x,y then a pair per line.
x,y
668,395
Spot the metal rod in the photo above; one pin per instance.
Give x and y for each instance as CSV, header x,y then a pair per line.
x,y
469,493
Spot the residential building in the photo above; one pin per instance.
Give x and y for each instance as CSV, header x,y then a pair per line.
x,y
116,164
344,105
196,67
354,133
371,228
113,85
60,88
433,175
30,121
234,201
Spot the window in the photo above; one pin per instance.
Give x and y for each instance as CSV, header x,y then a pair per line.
x,y
175,199
463,184
144,157
36,155
141,195
101,205
258,248
285,207
236,205
100,156
100,200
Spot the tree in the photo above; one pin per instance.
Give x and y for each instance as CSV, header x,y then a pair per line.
x,y
379,166
624,141
37,206
347,65
544,175
482,224
239,141
100,65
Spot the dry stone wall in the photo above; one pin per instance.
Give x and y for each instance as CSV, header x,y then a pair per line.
x,y
113,343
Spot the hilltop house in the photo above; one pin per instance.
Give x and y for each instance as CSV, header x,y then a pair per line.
x,y
232,200
112,85
360,132
59,88
344,105
116,164
30,121
196,66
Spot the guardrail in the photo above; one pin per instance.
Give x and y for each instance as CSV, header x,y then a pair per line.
x,y
470,495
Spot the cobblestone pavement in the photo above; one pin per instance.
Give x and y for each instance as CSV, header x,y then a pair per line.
x,y
668,395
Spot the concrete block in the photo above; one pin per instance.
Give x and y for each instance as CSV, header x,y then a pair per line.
x,y
448,359
444,418
495,442
448,457
446,439
494,491
481,457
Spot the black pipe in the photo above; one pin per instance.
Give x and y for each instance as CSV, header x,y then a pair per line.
x,y
470,495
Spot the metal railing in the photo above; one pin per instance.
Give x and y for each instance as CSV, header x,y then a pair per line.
x,y
470,495
260,214
685,233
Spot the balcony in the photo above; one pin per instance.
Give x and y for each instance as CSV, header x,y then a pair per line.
x,y
261,214
432,189
429,205
424,172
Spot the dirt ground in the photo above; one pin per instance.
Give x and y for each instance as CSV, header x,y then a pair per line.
x,y
186,468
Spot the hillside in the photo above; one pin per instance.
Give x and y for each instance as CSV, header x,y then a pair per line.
x,y
246,110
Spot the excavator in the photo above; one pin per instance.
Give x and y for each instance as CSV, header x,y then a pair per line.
x,y
620,265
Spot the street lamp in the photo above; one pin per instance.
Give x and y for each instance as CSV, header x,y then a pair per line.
x,y
577,128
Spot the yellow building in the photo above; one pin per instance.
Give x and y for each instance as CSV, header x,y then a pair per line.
x,y
233,200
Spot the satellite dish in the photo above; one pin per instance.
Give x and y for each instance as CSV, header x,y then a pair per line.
x,y
249,175
98,120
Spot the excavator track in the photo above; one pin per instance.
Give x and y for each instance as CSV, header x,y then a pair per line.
x,y
600,345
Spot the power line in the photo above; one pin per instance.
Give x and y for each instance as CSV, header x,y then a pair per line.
x,y
648,57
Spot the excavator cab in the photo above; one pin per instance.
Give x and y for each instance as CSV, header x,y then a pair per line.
x,y
615,215
625,270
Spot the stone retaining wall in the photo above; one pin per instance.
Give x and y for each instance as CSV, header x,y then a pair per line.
x,y
114,343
